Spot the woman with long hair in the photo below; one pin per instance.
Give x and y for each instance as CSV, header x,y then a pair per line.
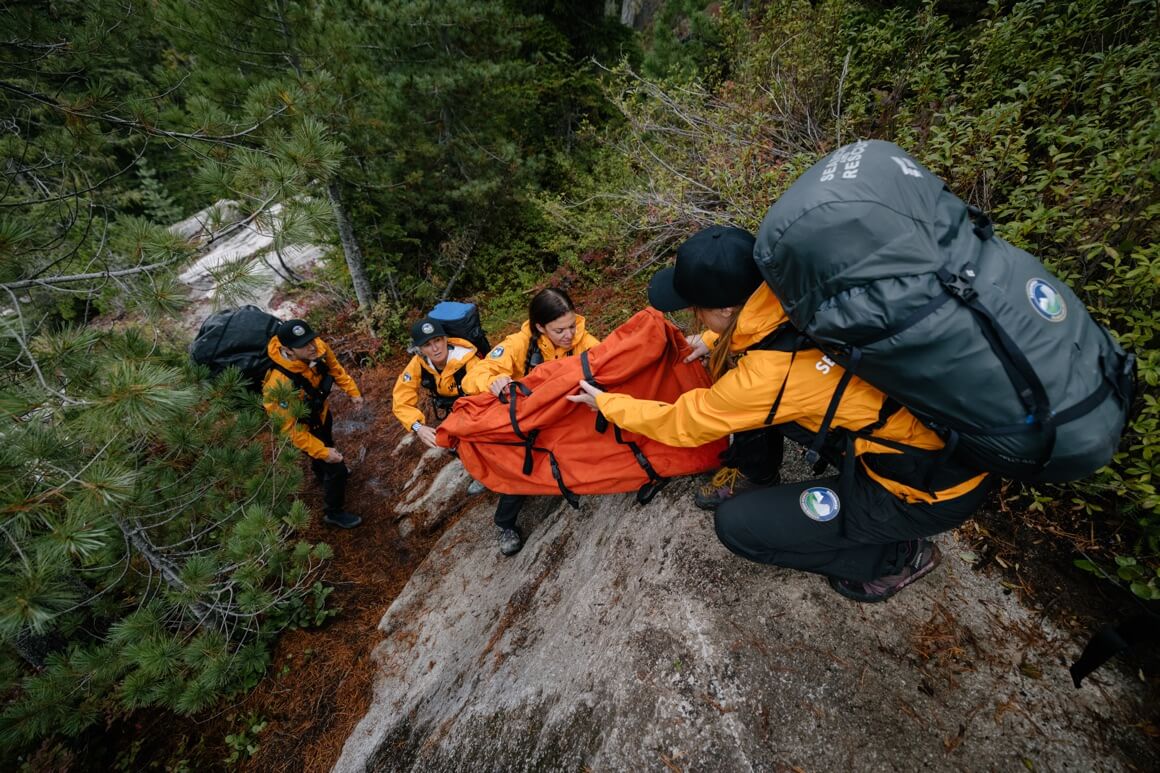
x,y
553,330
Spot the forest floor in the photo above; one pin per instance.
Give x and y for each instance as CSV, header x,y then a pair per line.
x,y
320,682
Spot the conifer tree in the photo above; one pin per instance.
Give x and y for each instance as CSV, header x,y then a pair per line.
x,y
147,522
449,116
148,548
253,59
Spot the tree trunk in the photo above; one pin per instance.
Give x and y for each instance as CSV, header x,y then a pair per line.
x,y
628,10
354,257
350,248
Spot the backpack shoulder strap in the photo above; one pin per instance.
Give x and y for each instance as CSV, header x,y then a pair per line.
x,y
458,375
443,403
427,381
297,379
784,338
534,356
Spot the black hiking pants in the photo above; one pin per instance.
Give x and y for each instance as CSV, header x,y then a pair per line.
x,y
332,475
860,534
508,508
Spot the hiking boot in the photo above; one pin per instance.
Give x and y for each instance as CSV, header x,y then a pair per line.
x,y
342,519
475,487
726,483
924,557
510,541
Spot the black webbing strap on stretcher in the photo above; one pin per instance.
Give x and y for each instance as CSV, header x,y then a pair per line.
x,y
655,483
510,396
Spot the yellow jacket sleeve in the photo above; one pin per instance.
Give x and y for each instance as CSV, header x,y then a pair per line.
x,y
405,398
506,359
297,431
698,416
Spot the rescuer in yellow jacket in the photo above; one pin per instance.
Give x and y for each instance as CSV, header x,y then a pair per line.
x,y
440,366
303,361
534,343
553,330
867,528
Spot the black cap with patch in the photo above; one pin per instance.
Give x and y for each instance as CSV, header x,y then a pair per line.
x,y
714,269
295,333
424,330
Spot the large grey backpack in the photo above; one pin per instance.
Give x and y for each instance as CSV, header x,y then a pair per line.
x,y
905,285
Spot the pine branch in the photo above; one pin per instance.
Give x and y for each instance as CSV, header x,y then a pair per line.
x,y
168,572
51,281
20,341
77,193
223,139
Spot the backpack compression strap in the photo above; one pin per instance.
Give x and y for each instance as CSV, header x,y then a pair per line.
x,y
1019,370
1022,374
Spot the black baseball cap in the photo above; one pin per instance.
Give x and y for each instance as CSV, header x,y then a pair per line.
x,y
714,269
426,329
294,333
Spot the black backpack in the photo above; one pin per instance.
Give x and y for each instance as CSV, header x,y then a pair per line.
x,y
908,288
238,338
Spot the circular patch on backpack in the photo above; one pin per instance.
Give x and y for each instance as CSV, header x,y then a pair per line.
x,y
496,353
1046,301
428,328
820,504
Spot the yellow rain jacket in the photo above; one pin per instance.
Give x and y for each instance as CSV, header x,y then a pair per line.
x,y
742,398
460,354
298,431
510,357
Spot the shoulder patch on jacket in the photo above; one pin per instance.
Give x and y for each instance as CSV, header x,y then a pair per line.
x,y
496,353
406,377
